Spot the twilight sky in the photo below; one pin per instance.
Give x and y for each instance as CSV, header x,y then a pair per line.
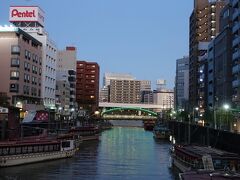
x,y
141,37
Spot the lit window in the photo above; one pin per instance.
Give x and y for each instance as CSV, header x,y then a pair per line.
x,y
14,75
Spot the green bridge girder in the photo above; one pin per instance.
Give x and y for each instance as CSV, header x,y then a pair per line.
x,y
129,108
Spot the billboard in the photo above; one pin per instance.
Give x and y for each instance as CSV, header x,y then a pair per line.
x,y
26,14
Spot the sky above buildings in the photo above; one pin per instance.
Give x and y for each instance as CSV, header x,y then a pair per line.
x,y
141,37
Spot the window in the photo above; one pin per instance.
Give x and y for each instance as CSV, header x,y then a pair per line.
x,y
14,88
26,54
15,62
14,75
15,49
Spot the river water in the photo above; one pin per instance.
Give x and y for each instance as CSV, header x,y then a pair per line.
x,y
122,153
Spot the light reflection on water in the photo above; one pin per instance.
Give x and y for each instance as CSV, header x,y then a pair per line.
x,y
122,153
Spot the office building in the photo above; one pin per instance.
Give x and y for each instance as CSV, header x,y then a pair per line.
x,y
87,87
182,83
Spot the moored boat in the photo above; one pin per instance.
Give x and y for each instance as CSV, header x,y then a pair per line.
x,y
160,131
87,133
34,150
192,157
149,125
209,175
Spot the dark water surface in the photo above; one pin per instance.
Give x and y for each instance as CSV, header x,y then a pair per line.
x,y
122,153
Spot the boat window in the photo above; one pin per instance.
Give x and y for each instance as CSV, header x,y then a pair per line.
x,y
18,150
24,149
29,149
1,151
35,148
12,150
50,147
5,151
58,147
46,148
40,148
66,144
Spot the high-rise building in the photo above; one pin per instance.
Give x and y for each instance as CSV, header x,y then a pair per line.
x,y
204,25
145,92
236,53
87,87
220,63
125,91
66,64
21,67
182,83
116,76
34,25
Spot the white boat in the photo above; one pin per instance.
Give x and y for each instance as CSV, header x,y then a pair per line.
x,y
14,153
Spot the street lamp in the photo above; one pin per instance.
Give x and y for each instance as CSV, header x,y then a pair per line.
x,y
227,107
195,108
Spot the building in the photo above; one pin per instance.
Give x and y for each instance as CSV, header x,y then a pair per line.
x,y
161,84
34,25
146,92
165,98
21,67
87,86
66,64
204,25
63,97
182,83
236,53
125,91
220,63
104,94
116,76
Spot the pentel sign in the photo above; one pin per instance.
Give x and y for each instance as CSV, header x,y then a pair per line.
x,y
26,14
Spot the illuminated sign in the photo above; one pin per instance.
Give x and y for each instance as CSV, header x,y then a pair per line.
x,y
26,14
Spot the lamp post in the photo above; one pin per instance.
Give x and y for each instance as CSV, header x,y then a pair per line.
x,y
195,108
226,107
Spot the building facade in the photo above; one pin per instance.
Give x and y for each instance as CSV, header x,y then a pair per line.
x,y
66,64
236,53
182,83
21,67
165,98
116,76
220,63
204,25
125,91
34,25
87,86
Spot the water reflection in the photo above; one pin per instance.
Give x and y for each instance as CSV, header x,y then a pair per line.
x,y
122,153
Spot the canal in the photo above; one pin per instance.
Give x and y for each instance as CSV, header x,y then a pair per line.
x,y
122,153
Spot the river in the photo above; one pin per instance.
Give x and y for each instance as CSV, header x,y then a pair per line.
x,y
122,153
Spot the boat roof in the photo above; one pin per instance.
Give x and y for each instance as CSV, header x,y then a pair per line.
x,y
199,151
25,142
207,175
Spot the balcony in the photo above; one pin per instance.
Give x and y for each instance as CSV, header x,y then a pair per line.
x,y
235,83
235,15
234,2
235,28
235,55
236,41
235,69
